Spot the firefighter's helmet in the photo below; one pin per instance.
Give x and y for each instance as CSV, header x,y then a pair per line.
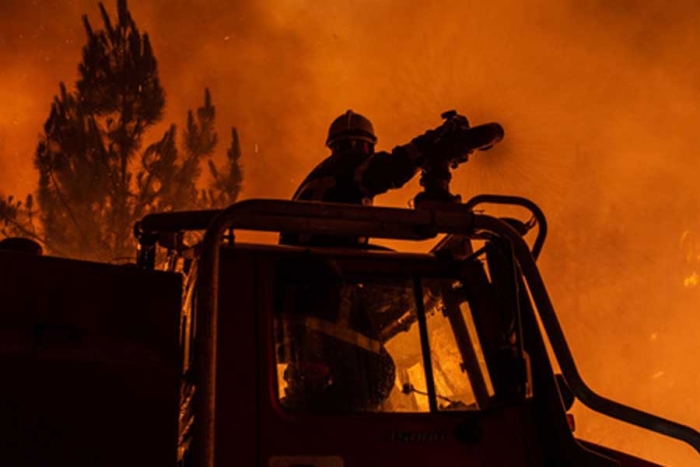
x,y
351,125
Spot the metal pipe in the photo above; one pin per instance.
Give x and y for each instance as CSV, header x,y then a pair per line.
x,y
563,354
518,201
307,217
206,344
425,345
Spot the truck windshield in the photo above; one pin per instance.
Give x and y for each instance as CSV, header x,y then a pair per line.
x,y
348,342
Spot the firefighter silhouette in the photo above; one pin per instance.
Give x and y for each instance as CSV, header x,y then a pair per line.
x,y
336,360
354,173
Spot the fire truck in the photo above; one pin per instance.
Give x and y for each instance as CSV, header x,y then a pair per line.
x,y
217,352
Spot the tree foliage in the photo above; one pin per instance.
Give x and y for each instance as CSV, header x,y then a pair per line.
x,y
17,217
95,177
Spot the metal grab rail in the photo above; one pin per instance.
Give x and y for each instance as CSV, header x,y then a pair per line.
x,y
315,218
516,201
563,354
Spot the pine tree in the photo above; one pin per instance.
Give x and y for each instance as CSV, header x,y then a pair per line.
x,y
95,181
17,217
224,188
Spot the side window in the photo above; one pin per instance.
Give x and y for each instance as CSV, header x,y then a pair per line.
x,y
352,343
462,380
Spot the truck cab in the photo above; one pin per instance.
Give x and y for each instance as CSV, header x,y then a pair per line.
x,y
335,356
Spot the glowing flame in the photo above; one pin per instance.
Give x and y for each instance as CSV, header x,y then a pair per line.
x,y
692,280
690,246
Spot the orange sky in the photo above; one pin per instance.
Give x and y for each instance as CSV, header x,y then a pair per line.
x,y
598,99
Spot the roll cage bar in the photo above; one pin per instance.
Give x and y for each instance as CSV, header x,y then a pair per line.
x,y
454,220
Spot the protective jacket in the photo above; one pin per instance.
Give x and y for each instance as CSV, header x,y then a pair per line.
x,y
354,177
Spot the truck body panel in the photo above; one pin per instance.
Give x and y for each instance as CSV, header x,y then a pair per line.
x,y
91,363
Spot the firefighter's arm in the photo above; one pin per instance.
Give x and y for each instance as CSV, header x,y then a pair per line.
x,y
385,171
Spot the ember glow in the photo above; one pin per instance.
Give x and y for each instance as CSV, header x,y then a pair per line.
x,y
690,246
600,105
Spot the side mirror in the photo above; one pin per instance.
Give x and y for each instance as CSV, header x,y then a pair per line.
x,y
567,397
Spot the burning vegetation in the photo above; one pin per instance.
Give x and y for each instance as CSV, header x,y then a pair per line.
x,y
96,178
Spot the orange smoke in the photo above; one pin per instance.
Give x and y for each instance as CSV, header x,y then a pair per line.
x,y
598,100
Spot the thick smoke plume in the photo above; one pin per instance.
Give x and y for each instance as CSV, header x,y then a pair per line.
x,y
598,98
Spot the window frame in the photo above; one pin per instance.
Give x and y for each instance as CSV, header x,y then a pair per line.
x,y
423,267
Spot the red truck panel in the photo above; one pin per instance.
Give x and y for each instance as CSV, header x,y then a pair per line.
x,y
90,363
